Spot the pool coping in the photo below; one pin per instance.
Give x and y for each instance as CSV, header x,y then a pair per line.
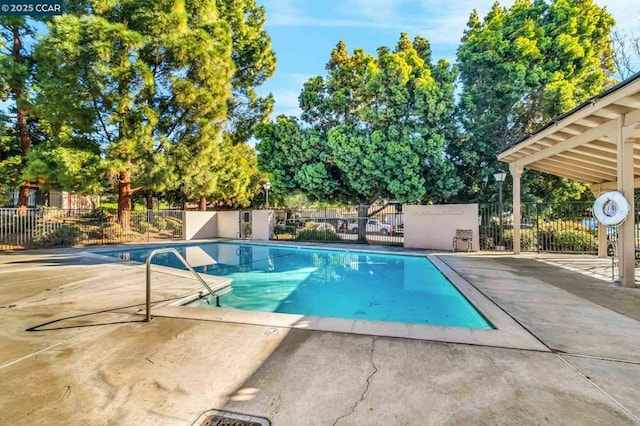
x,y
508,333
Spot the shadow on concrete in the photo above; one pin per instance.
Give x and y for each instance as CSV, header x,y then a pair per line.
x,y
45,326
625,301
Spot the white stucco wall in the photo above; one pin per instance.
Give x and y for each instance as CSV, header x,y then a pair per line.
x,y
228,224
200,225
433,227
261,224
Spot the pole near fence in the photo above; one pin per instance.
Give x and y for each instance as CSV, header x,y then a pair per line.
x,y
538,220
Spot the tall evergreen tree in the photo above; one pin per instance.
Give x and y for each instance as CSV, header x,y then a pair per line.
x,y
520,67
254,61
149,81
15,75
371,129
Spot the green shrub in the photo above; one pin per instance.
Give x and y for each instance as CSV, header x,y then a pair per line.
x,y
574,236
144,227
317,235
114,231
99,213
160,223
173,222
580,241
528,239
284,229
64,235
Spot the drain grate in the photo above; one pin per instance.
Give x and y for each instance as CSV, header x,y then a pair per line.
x,y
227,418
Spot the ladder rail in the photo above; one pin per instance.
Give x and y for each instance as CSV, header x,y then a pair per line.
x,y
184,262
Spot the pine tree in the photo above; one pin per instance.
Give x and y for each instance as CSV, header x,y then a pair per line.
x,y
15,75
519,68
149,81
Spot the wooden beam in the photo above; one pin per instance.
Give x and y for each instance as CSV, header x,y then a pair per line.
x,y
556,137
594,121
595,153
630,102
612,186
613,108
576,159
606,147
586,112
570,143
632,118
558,171
590,122
626,232
576,128
586,174
595,173
609,115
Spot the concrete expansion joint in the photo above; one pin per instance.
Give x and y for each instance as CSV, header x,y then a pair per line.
x,y
368,383
599,358
604,392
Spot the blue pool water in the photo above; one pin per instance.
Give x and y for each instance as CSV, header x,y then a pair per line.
x,y
326,283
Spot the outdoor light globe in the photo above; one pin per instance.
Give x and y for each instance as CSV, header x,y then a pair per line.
x,y
500,176
267,185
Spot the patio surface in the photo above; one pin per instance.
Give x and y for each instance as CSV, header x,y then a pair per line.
x,y
73,350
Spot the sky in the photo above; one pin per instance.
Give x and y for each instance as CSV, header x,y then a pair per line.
x,y
303,32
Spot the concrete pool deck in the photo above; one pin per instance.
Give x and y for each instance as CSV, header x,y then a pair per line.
x,y
73,350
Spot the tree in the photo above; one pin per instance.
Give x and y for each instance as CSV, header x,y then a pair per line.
x,y
254,61
65,169
239,179
519,68
15,74
222,172
370,129
148,81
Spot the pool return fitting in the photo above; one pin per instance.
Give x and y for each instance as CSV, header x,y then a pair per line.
x,y
215,292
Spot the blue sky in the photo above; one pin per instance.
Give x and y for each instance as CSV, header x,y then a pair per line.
x,y
303,32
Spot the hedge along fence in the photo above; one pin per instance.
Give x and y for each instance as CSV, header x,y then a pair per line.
x,y
570,237
50,227
550,227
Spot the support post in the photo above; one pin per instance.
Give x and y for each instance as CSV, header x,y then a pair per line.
x,y
516,173
602,229
626,232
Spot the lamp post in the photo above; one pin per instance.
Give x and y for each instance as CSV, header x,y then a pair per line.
x,y
267,187
500,176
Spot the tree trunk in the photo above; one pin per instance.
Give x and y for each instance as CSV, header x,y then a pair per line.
x,y
363,218
124,200
202,206
23,199
21,121
149,197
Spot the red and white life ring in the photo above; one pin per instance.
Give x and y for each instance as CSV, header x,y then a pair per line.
x,y
611,208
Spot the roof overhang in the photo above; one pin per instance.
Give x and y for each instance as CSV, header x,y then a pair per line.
x,y
582,144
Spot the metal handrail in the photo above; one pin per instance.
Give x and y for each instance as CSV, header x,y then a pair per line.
x,y
185,263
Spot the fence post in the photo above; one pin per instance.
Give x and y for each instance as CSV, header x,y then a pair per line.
x,y
538,218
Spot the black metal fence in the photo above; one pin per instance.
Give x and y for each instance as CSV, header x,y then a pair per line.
x,y
368,224
245,226
46,227
544,227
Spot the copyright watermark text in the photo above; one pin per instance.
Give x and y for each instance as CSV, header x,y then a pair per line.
x,y
30,7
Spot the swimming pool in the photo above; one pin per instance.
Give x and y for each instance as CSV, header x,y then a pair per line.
x,y
326,283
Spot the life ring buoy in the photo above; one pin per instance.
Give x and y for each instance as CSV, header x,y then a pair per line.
x,y
611,208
